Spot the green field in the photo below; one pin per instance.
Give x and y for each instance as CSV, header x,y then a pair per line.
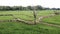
x,y
53,20
21,28
27,15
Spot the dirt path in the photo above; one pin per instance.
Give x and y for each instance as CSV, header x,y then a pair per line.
x,y
42,17
50,24
39,20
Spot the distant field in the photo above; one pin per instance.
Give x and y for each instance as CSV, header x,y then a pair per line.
x,y
27,15
21,28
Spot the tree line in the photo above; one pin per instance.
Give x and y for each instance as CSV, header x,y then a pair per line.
x,y
38,7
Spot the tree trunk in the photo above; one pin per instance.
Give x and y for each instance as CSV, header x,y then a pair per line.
x,y
34,14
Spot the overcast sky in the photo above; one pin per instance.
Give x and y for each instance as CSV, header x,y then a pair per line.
x,y
45,3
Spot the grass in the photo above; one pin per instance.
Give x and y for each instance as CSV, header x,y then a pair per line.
x,y
20,28
27,15
53,20
6,17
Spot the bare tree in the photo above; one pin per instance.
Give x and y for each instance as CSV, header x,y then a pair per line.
x,y
34,14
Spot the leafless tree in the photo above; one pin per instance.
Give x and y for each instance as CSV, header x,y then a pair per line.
x,y
34,14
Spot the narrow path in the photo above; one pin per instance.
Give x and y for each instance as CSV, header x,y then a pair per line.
x,y
26,22
50,24
42,17
39,20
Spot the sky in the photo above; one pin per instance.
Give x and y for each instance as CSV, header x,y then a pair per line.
x,y
44,3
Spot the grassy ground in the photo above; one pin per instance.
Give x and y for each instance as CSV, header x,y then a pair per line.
x,y
6,17
21,28
27,15
53,20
